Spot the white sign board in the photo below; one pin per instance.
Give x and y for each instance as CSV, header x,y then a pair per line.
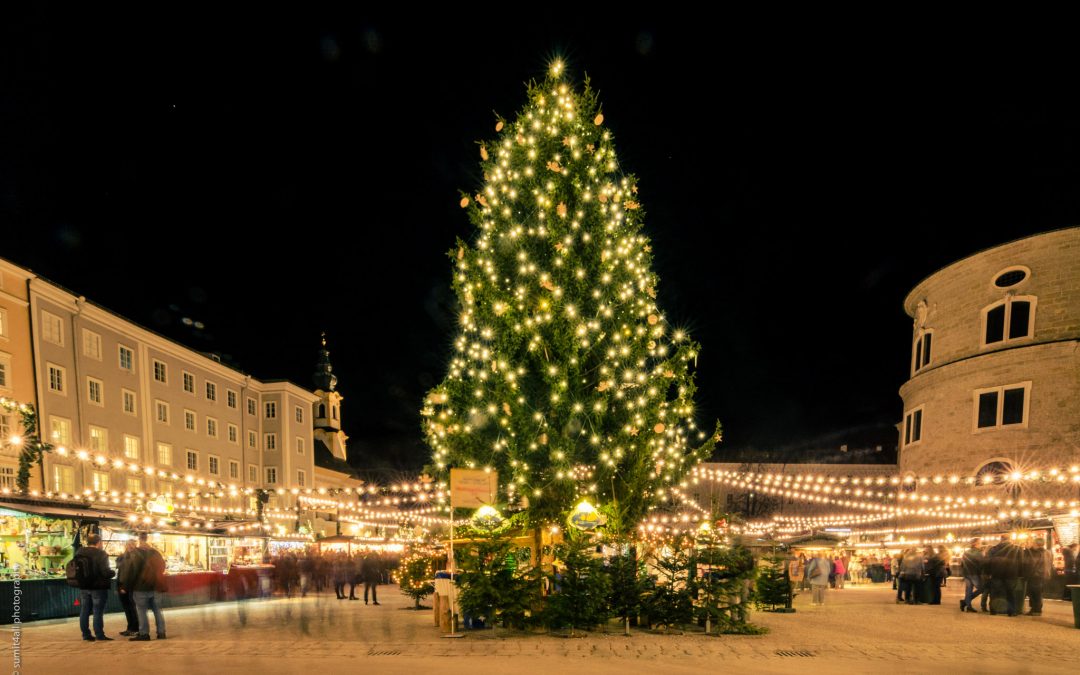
x,y
472,488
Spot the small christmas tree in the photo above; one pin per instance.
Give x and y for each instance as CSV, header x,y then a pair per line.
x,y
579,586
493,586
627,586
722,570
669,601
415,578
773,590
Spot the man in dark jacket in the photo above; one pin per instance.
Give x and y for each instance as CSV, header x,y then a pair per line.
x,y
972,565
127,600
94,588
1004,565
372,574
1038,568
145,576
1070,571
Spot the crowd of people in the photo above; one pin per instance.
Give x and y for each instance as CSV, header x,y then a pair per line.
x,y
1004,574
313,571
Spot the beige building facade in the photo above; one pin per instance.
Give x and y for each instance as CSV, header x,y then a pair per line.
x,y
995,363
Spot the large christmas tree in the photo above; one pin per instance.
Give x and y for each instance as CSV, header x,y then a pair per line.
x,y
566,378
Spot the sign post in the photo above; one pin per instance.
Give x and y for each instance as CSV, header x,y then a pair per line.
x,y
468,488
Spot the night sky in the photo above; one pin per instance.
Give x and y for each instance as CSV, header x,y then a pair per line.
x,y
275,175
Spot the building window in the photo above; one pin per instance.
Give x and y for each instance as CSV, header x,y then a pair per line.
x,y
134,485
3,322
129,401
161,372
253,473
189,383
271,410
189,420
234,434
7,426
164,454
252,439
923,347
299,445
99,439
127,359
913,427
1011,319
214,464
101,481
301,478
63,478
1011,276
271,475
993,472
322,411
192,460
234,469
91,344
52,329
251,406
5,368
93,391
131,448
165,487
1002,406
334,409
299,415
211,391
211,427
57,379
271,441
230,399
7,477
60,431
162,409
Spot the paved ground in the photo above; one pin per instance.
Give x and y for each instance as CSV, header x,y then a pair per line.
x,y
858,630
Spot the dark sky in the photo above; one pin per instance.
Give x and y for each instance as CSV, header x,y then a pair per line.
x,y
277,174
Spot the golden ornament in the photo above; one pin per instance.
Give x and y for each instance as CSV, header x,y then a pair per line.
x,y
561,209
603,386
483,153
603,198
520,139
633,431
464,202
506,409
659,428
669,373
653,319
599,119
554,166
633,205
460,253
559,247
590,147
652,344
566,141
481,201
543,439
499,125
651,291
546,283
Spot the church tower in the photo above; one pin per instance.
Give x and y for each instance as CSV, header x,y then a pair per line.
x,y
327,411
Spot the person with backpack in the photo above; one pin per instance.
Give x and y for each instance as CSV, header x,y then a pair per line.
x,y
145,576
89,572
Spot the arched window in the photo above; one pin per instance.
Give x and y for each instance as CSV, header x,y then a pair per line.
x,y
1010,319
322,410
993,472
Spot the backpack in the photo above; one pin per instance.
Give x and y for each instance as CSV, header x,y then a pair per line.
x,y
78,572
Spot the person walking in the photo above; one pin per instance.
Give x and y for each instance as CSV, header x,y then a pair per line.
x,y
127,600
372,575
146,577
972,565
340,572
796,571
817,571
935,572
92,574
911,574
356,575
1039,568
1069,554
1004,566
840,571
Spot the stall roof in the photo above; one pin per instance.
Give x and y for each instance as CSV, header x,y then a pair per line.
x,y
65,511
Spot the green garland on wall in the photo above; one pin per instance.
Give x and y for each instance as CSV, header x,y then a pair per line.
x,y
33,448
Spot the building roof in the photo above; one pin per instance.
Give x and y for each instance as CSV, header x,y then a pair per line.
x,y
325,459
